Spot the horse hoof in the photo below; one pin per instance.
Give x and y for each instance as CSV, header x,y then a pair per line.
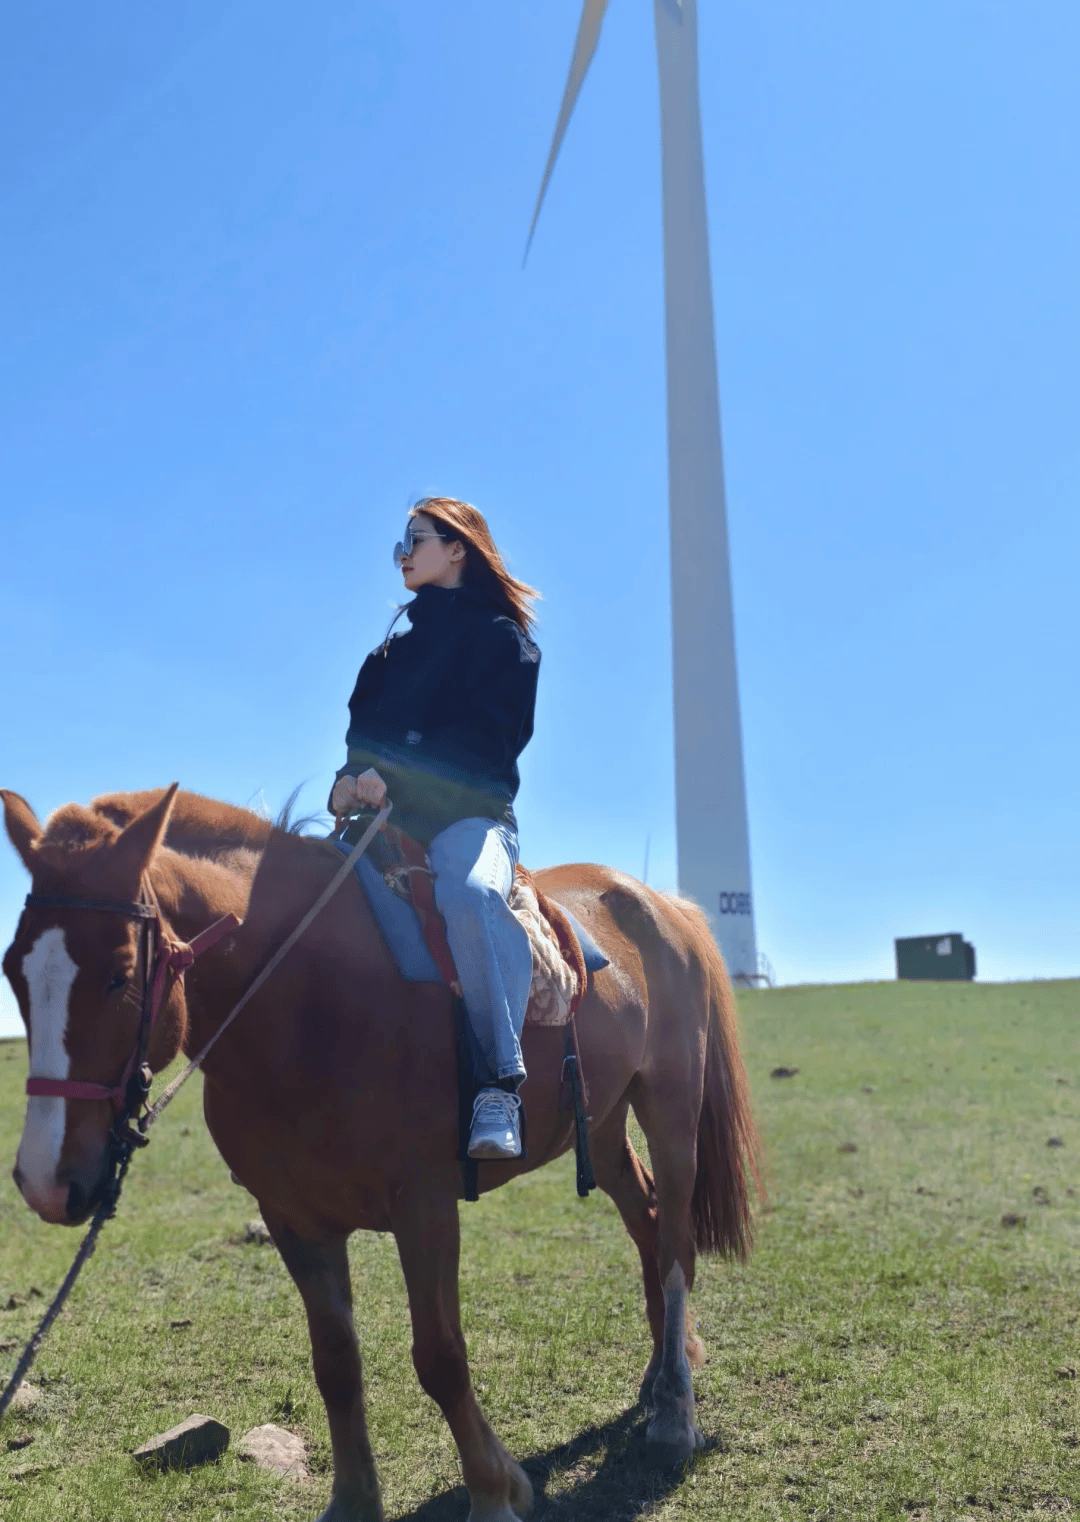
x,y
519,1504
337,1511
671,1449
663,1455
521,1491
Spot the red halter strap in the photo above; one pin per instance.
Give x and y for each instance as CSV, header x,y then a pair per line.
x,y
164,962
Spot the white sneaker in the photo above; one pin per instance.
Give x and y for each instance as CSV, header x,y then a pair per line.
x,y
496,1129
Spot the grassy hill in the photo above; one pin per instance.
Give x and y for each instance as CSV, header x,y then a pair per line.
x,y
891,1350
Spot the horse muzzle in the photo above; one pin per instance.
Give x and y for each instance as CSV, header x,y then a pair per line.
x,y
69,1197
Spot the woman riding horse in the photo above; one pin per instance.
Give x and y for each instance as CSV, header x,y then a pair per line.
x,y
331,1099
438,718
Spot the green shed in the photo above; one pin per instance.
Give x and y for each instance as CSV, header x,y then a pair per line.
x,y
935,956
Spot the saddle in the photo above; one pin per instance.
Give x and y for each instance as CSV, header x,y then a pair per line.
x,y
559,980
560,972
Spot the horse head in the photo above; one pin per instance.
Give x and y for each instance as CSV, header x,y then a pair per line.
x,y
77,966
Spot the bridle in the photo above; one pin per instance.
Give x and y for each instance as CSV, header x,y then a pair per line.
x,y
164,962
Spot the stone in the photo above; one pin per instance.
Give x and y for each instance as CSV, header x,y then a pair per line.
x,y
1055,1141
783,1072
25,1397
30,1471
273,1448
197,1441
255,1231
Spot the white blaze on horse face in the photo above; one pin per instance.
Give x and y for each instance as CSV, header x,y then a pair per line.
x,y
49,974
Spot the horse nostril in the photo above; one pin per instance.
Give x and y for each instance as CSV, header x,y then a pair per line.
x,y
76,1202
16,1174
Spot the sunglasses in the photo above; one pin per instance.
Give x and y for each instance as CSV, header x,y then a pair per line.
x,y
404,547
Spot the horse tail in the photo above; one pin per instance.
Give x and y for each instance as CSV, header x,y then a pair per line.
x,y
728,1145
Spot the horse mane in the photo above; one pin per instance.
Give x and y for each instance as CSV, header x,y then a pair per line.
x,y
298,824
72,835
219,842
197,826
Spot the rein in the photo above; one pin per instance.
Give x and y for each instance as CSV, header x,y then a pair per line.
x,y
164,963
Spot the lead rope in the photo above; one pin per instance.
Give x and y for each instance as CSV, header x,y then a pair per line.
x,y
127,1143
105,1210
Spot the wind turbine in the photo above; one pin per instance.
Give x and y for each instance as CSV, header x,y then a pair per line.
x,y
710,788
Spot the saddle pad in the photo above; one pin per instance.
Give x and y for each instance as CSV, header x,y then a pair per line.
x,y
401,929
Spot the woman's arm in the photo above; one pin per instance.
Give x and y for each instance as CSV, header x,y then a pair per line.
x,y
365,697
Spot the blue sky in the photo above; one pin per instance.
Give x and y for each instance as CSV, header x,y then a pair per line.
x,y
260,285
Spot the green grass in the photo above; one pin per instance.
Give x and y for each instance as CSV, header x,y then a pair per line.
x,y
891,1350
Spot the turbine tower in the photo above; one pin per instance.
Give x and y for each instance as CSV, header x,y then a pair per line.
x,y
710,789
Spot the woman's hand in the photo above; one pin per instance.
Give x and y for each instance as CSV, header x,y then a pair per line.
x,y
368,791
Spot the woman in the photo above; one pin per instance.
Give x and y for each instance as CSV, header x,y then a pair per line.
x,y
439,715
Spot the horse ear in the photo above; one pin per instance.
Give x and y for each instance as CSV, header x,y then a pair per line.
x,y
133,848
22,826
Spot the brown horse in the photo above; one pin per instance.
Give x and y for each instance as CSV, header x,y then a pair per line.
x,y
332,1097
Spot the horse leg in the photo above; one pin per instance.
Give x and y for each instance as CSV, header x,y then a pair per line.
x,y
320,1271
672,1435
629,1185
623,1177
427,1233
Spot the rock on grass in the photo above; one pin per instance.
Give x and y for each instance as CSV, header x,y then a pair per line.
x,y
25,1397
196,1441
273,1448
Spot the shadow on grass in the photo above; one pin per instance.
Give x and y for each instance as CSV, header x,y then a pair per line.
x,y
605,1473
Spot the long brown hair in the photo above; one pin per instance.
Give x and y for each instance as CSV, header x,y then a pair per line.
x,y
485,571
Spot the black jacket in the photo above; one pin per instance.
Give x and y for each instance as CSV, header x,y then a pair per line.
x,y
443,710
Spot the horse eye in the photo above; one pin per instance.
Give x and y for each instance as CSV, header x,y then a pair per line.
x,y
116,982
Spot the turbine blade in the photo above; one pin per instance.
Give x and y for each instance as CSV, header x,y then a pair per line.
x,y
592,19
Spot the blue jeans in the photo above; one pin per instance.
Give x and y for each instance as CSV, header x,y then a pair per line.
x,y
473,864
